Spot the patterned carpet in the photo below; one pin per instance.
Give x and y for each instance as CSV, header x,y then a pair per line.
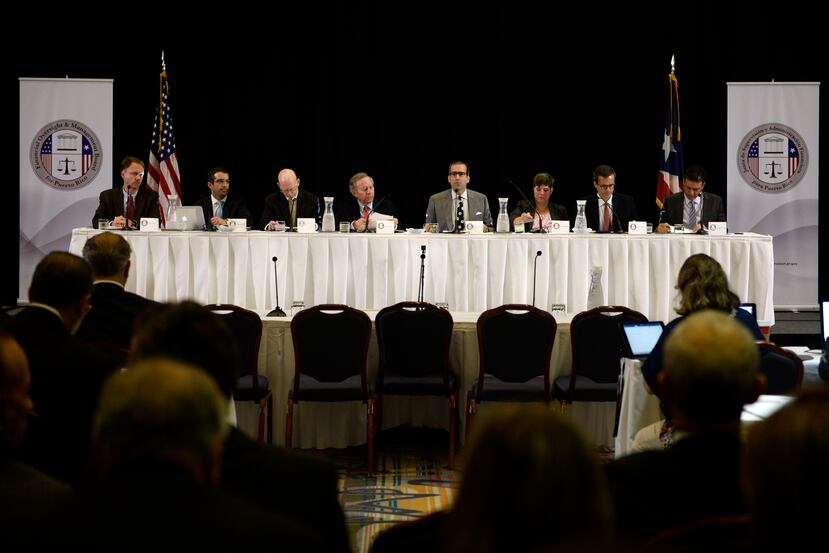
x,y
412,480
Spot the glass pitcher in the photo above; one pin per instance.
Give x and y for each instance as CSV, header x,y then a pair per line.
x,y
580,227
502,224
328,216
173,203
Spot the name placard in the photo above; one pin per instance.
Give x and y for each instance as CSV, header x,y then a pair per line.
x,y
385,227
637,227
148,224
306,225
238,225
475,227
559,227
717,227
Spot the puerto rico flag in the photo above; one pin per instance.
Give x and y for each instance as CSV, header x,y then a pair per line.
x,y
671,168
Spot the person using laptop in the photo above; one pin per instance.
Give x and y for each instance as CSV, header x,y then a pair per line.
x,y
124,206
689,208
217,207
289,203
358,211
607,211
451,208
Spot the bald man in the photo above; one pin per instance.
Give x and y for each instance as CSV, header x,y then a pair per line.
x,y
289,203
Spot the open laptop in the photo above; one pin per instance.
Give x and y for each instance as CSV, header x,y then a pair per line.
x,y
751,308
638,339
824,320
187,217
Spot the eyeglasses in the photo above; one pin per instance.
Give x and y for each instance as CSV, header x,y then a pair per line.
x,y
222,181
457,174
606,186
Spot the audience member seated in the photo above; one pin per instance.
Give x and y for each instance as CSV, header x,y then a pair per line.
x,y
530,483
784,476
702,284
285,482
113,308
26,494
67,373
710,373
158,438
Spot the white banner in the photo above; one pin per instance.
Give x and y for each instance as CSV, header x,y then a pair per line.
x,y
773,179
65,163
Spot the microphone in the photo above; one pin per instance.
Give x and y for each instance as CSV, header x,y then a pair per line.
x,y
277,311
613,218
529,203
535,264
421,287
374,207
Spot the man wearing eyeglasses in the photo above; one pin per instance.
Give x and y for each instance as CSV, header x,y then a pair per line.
x,y
607,211
289,203
123,207
217,207
451,208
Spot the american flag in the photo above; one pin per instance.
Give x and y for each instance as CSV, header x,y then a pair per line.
x,y
671,169
46,154
794,157
163,175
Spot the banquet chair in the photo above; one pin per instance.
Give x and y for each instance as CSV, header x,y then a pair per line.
x,y
246,327
596,342
783,369
407,367
515,344
331,352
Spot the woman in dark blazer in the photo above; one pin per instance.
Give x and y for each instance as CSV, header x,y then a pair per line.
x,y
538,214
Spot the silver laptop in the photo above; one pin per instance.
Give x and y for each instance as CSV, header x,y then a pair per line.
x,y
824,320
187,217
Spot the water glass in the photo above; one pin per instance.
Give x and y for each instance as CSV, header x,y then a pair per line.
x,y
103,224
345,226
296,307
433,228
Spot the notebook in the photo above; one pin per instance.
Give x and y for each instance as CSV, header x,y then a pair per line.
x,y
187,217
638,339
751,308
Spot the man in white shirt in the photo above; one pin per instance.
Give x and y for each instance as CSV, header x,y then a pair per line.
x,y
451,208
217,207
690,207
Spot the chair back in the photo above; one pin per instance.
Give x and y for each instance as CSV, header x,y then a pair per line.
x,y
331,343
413,340
515,343
596,342
246,327
783,369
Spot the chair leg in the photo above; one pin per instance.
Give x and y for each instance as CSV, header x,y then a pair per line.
x,y
261,430
453,418
471,409
370,434
270,419
289,422
378,409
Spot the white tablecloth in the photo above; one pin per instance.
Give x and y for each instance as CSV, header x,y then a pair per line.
x,y
471,273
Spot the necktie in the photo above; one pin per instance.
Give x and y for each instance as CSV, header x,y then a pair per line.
x,y
606,222
292,208
219,208
459,226
365,212
692,215
130,210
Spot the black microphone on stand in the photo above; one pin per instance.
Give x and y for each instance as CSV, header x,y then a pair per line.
x,y
277,311
529,203
535,264
422,265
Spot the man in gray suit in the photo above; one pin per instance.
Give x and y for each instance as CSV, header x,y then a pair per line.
x,y
450,209
689,207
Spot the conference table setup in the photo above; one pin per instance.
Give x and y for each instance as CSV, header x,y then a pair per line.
x,y
466,273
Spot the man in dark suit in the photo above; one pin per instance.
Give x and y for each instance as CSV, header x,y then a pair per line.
x,y
124,206
289,204
217,207
359,212
689,207
297,485
113,308
67,373
710,373
607,211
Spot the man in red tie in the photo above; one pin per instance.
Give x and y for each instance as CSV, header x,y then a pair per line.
x,y
124,206
359,213
608,211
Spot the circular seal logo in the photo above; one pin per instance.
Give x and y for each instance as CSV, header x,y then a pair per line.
x,y
66,154
772,157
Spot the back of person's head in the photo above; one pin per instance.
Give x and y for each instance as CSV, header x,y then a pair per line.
x,y
107,253
15,402
60,280
604,171
543,179
161,410
702,284
784,476
710,362
189,333
530,482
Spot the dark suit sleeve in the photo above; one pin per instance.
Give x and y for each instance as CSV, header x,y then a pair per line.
x,y
268,213
719,212
104,209
239,211
521,207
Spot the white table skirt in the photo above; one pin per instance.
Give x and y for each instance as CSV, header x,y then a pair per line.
x,y
471,273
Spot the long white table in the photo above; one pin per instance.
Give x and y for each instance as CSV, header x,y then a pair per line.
x,y
471,273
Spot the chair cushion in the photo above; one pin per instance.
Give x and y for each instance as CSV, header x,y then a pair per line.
x,y
586,389
245,391
311,389
499,390
429,385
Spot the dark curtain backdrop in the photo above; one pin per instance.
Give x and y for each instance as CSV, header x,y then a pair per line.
x,y
400,90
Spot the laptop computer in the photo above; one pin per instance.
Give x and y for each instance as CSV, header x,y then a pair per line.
x,y
187,217
824,320
751,308
638,339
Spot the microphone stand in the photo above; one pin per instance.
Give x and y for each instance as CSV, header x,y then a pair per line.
x,y
277,311
535,264
421,287
373,209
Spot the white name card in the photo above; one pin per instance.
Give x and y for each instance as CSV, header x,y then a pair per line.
x,y
559,227
385,227
637,227
148,224
717,227
238,225
475,227
306,225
